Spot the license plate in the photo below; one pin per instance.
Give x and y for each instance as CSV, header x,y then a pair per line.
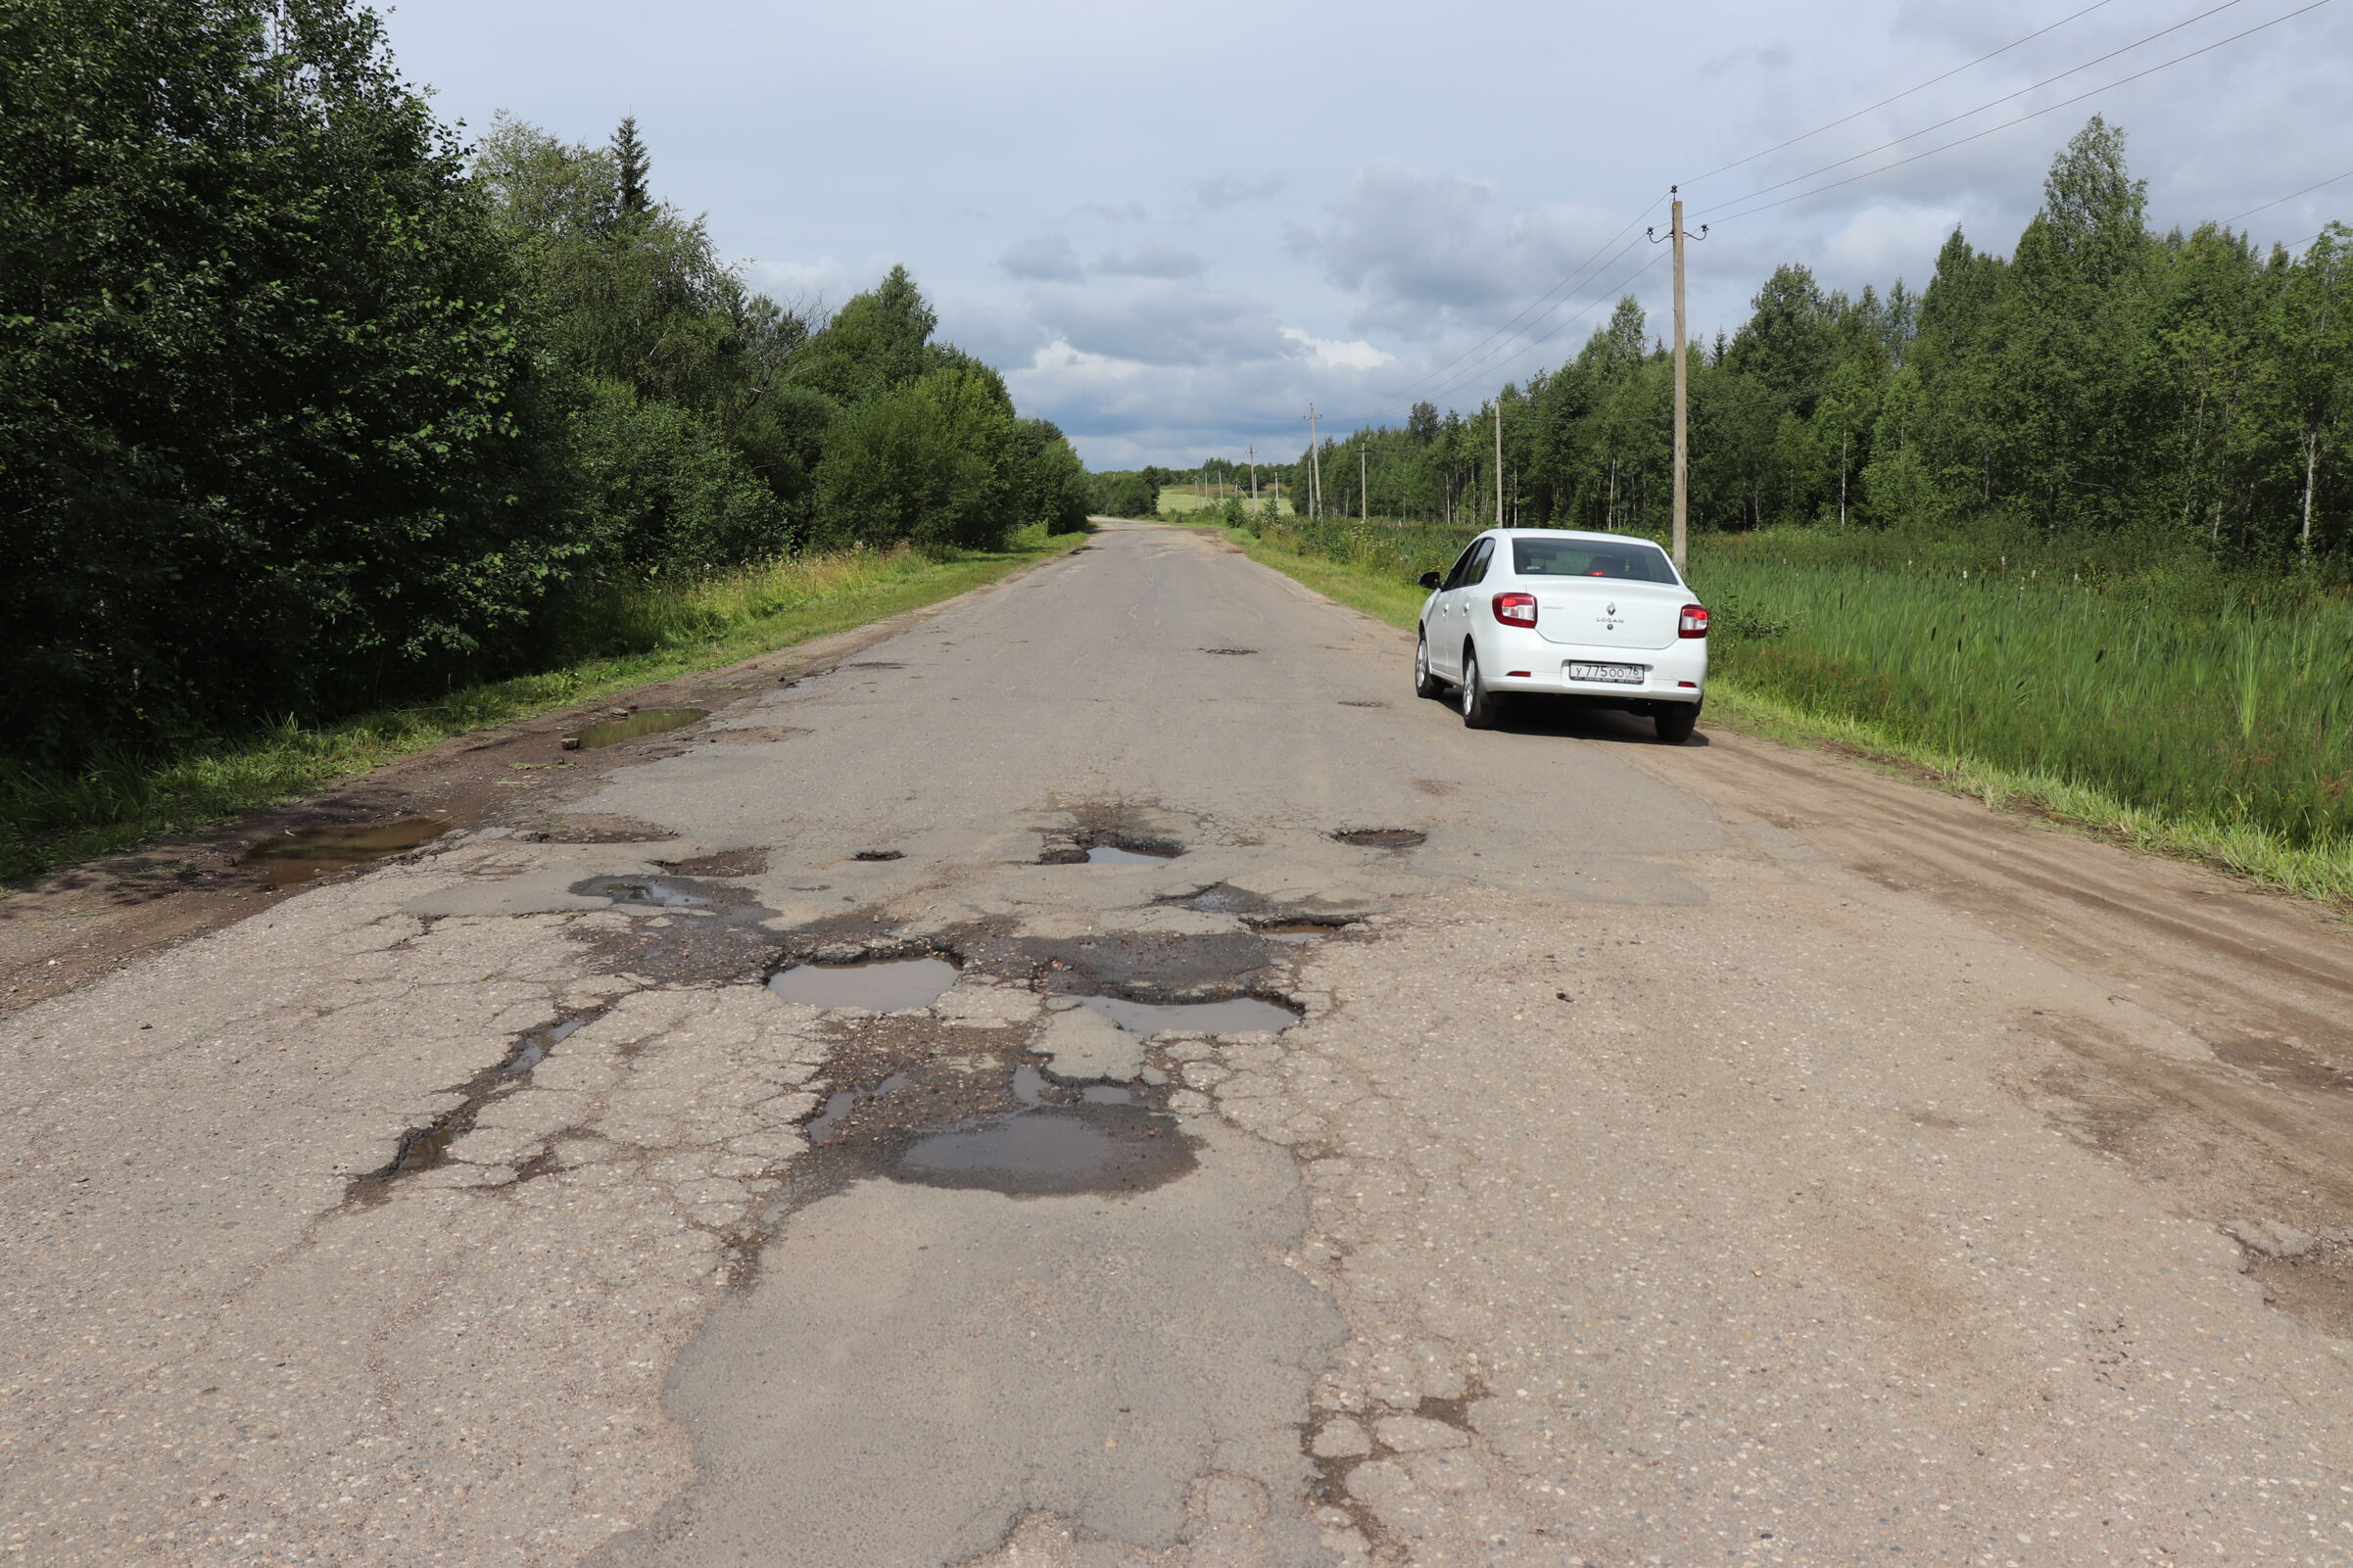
x,y
1624,673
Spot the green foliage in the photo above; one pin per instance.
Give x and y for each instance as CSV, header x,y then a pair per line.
x,y
662,487
300,413
2191,694
932,463
1122,494
271,432
2189,392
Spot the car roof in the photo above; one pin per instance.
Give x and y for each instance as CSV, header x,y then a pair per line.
x,y
1573,533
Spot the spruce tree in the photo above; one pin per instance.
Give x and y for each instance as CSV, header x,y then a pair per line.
x,y
631,167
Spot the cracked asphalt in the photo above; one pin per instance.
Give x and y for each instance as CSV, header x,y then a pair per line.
x,y
1696,1155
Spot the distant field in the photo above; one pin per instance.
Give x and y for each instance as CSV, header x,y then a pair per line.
x,y
1187,499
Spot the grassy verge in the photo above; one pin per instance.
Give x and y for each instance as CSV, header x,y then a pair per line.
x,y
624,637
2309,864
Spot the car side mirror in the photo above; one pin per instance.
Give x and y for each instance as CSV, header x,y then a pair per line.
x,y
1430,579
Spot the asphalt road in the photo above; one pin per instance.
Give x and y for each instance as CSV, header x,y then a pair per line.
x,y
1699,1154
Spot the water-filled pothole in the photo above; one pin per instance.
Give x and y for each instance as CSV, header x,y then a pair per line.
x,y
308,852
842,1102
659,892
1234,1014
1052,1149
1104,851
1382,837
879,986
632,726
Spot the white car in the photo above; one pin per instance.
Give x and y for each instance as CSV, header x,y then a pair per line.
x,y
1603,618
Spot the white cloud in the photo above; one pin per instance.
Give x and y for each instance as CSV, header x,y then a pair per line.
x,y
1356,355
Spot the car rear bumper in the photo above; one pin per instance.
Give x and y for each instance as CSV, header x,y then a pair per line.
x,y
1522,662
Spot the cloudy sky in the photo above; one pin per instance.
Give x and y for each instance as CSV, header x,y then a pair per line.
x,y
1175,227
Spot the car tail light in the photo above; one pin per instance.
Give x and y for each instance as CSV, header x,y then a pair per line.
x,y
1694,622
1520,610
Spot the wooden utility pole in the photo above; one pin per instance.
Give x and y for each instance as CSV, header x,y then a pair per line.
x,y
1253,454
1314,467
1363,507
1499,459
1682,391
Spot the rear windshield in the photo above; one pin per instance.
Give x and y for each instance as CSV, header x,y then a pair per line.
x,y
1585,557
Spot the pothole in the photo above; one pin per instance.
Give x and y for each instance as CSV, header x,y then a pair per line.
x,y
1052,1150
877,984
426,1147
725,863
306,852
661,893
630,725
1231,653
879,854
1092,850
1382,837
1360,702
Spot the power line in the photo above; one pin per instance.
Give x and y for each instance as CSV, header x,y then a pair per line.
x,y
1617,289
1489,363
1906,93
1749,212
2289,197
1951,119
1565,282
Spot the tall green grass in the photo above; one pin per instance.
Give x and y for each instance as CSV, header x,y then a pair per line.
x,y
2226,699
2134,687
609,639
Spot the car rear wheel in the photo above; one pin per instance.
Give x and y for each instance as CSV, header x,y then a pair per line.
x,y
1675,721
1480,706
1425,685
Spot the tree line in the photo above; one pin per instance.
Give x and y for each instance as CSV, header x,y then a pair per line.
x,y
307,405
2184,391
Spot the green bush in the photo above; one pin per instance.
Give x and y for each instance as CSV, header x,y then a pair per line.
x,y
929,464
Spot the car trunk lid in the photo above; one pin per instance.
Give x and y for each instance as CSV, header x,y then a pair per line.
x,y
1606,611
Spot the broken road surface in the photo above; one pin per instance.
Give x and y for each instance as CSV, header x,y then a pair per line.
x,y
1282,1128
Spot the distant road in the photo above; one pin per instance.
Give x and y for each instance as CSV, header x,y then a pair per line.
x,y
1711,1154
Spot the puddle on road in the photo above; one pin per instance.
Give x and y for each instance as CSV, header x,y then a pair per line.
x,y
630,726
1103,851
535,1046
1382,837
1238,1015
820,1127
308,852
659,892
1053,1150
879,986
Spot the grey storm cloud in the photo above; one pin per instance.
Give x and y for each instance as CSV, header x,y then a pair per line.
x,y
1151,262
1226,190
1160,322
1043,259
1131,234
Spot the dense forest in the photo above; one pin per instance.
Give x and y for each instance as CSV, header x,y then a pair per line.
x,y
305,404
2185,389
